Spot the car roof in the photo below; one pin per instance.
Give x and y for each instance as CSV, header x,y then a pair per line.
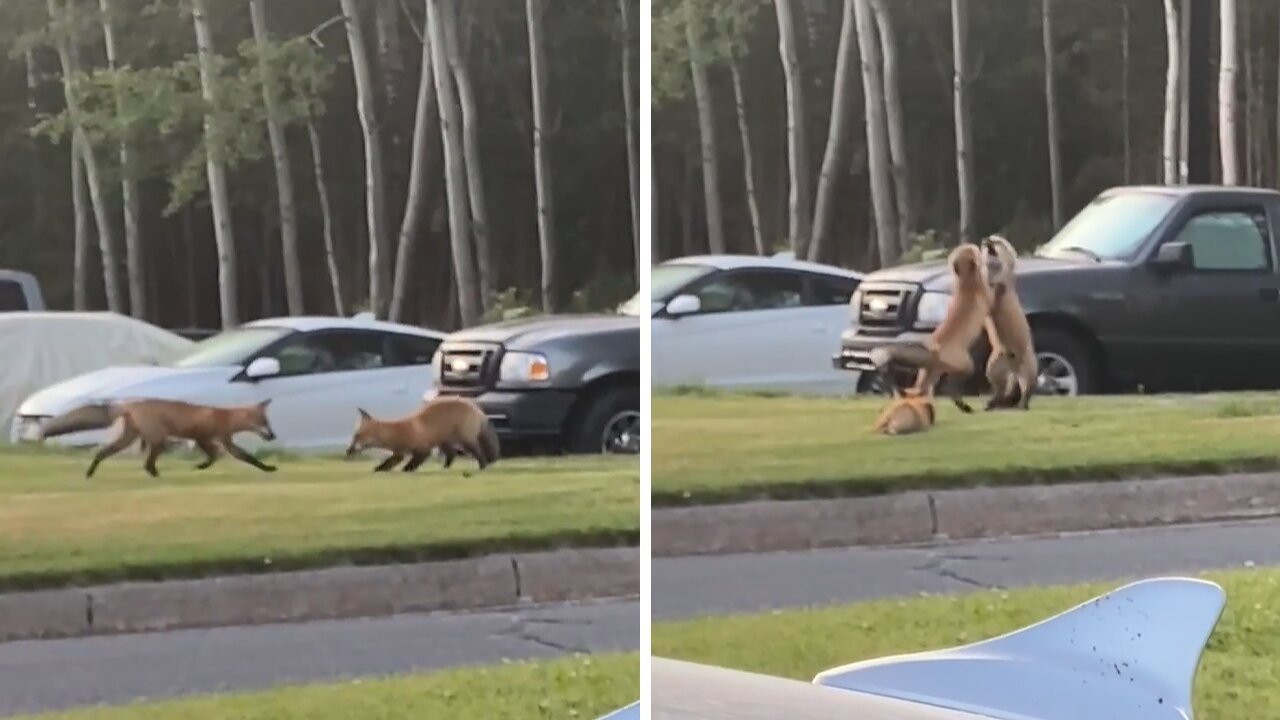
x,y
310,323
1183,190
780,261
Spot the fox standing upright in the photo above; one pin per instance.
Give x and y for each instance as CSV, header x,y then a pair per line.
x,y
156,422
455,425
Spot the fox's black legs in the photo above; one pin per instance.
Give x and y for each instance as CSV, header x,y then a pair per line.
x,y
390,463
153,454
415,461
245,457
210,451
449,455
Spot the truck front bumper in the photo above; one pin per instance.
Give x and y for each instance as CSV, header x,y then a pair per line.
x,y
855,348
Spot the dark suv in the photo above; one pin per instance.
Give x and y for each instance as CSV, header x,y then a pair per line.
x,y
1168,288
571,380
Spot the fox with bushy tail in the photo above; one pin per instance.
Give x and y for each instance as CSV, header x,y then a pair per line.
x,y
454,425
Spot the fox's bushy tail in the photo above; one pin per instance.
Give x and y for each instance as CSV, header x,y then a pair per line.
x,y
488,442
88,417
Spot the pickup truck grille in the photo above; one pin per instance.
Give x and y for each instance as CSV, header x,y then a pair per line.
x,y
468,366
886,308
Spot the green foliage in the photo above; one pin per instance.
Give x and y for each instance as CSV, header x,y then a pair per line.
x,y
926,245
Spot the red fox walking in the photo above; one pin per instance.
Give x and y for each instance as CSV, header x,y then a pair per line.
x,y
156,422
453,424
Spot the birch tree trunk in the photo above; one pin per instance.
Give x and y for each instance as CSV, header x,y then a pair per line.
x,y
1248,94
837,129
128,183
706,131
455,169
80,205
422,159
375,175
800,222
280,156
881,176
629,113
69,58
547,241
964,137
471,154
1227,95
326,215
748,158
1051,110
897,125
1125,111
224,235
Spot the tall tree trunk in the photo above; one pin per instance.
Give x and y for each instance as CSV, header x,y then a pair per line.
x,y
455,169
1248,95
390,55
80,205
68,56
421,161
753,202
629,111
280,156
471,153
1051,110
880,174
391,69
897,125
1183,100
224,235
547,241
375,174
326,215
129,181
1227,95
1125,112
706,131
837,129
800,222
964,137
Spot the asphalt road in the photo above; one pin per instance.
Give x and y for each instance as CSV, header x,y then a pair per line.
x,y
696,586
58,674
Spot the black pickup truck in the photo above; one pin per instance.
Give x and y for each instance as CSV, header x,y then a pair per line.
x,y
569,381
1162,288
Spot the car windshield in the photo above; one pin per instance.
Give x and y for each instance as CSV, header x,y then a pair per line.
x,y
231,348
1110,228
665,280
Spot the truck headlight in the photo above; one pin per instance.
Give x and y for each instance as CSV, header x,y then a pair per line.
x,y
437,361
524,367
932,309
855,306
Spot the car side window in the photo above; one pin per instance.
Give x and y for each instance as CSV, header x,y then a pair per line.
x,y
12,296
405,350
831,289
752,290
316,353
1229,240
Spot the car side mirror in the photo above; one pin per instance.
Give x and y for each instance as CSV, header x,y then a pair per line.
x,y
1174,256
263,367
684,305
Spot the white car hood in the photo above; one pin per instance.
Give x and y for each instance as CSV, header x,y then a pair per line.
x,y
122,383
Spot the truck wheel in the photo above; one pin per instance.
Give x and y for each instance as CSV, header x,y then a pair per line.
x,y
610,424
1066,363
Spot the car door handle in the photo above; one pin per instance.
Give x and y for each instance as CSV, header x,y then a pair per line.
x,y
1269,294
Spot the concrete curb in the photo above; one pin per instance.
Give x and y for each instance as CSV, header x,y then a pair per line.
x,y
493,581
924,517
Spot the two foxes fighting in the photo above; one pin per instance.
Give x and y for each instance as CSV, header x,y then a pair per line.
x,y
453,425
983,300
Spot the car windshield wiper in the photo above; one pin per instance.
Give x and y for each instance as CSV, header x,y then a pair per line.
x,y
1083,251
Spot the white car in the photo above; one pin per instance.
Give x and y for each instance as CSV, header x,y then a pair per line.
x,y
749,323
315,370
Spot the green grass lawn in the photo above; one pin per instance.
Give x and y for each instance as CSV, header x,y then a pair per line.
x,y
57,528
1238,674
712,448
580,687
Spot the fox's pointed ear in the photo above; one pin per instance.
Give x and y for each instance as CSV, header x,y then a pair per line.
x,y
263,405
363,415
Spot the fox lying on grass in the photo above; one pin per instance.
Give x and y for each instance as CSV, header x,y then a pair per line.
x,y
909,412
455,425
156,422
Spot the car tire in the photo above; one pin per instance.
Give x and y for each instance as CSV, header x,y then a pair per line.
x,y
1066,361
609,423
871,383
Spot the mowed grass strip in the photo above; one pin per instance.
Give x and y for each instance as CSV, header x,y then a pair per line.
x,y
1238,674
712,448
57,528
581,687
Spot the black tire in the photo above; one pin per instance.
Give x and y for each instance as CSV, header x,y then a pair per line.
x,y
1065,347
871,383
605,412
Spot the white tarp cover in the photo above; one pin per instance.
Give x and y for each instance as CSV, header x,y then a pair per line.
x,y
38,349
